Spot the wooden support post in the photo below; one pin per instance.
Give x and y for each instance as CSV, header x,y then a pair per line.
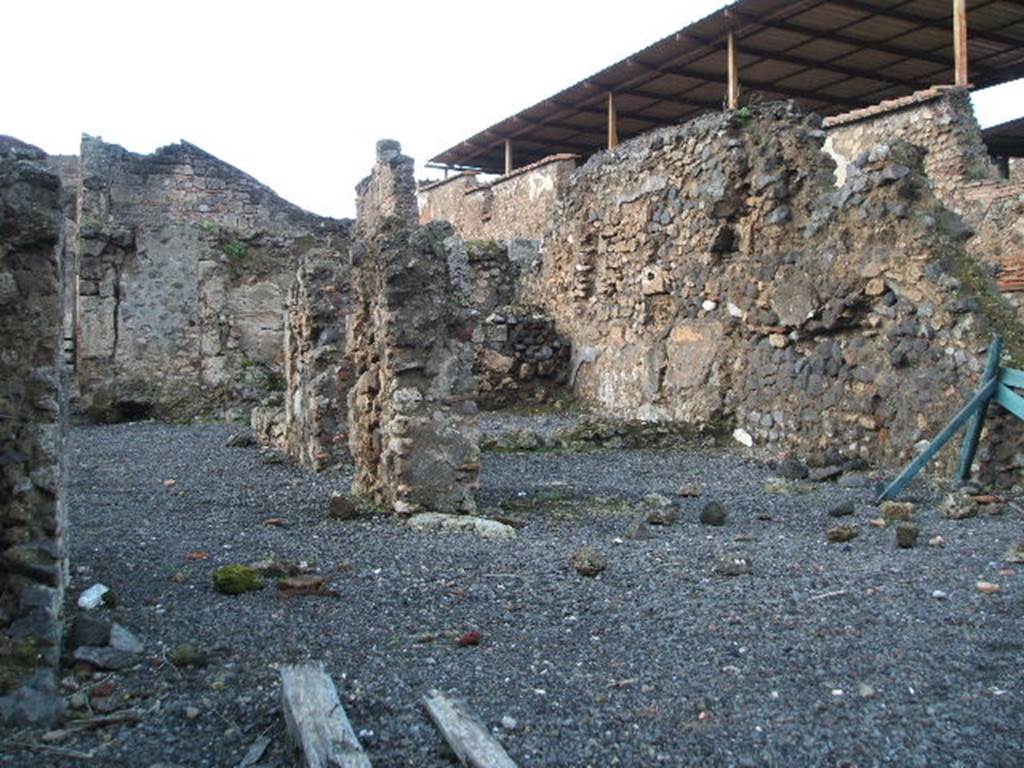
x,y
960,42
734,73
508,157
970,444
613,122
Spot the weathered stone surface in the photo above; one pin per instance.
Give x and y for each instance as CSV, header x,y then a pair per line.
x,y
412,429
184,266
713,513
33,564
318,371
587,562
839,326
439,522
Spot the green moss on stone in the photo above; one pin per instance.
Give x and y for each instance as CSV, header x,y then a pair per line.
x,y
236,579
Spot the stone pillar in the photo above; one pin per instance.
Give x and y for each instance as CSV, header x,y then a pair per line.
x,y
33,565
412,426
319,374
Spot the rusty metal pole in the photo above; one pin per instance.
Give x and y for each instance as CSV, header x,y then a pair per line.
x,y
960,42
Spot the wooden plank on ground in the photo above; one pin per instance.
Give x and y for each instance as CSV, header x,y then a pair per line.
x,y
316,721
470,741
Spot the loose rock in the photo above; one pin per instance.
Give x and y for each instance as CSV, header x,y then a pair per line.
x,y
897,510
906,535
842,533
843,510
587,562
713,514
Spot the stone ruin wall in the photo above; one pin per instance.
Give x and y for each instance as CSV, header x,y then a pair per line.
x,y
185,263
514,206
319,373
520,357
712,274
965,178
412,425
33,563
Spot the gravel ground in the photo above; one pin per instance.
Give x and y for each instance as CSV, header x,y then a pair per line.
x,y
824,655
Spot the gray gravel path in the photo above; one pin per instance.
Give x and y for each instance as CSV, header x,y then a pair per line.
x,y
825,655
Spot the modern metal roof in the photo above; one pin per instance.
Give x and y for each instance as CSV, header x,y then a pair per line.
x,y
1006,139
831,55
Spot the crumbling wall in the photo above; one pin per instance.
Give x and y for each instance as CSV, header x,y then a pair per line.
x,y
412,428
185,263
33,564
513,206
319,374
940,119
521,357
712,274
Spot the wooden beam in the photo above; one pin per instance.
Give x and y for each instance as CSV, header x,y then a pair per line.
x,y
613,122
316,720
469,740
508,156
963,78
734,72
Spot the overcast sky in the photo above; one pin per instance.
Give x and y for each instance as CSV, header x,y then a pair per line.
x,y
296,93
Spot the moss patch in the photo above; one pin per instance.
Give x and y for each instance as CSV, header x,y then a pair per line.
x,y
236,579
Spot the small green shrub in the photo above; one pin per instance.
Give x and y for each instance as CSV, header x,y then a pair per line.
x,y
234,250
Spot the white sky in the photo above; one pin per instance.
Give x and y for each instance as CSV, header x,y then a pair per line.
x,y
296,93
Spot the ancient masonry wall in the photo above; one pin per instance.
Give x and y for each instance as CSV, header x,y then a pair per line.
x,y
319,374
520,358
712,274
940,119
514,206
965,178
412,426
33,564
185,263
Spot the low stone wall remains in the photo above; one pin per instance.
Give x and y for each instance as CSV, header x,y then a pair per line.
x,y
33,519
412,425
712,274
